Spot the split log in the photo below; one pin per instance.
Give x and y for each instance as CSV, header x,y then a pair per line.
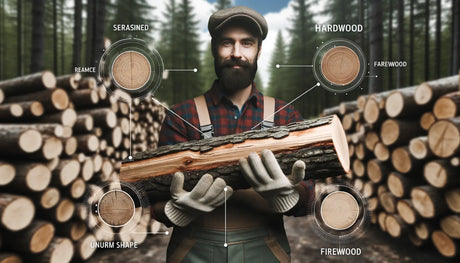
x,y
452,198
447,106
445,245
83,247
377,171
27,84
427,92
68,82
60,250
320,143
52,100
419,148
19,140
427,120
444,137
401,103
388,202
8,173
381,152
440,174
407,212
34,239
404,162
397,132
68,117
451,225
395,226
16,212
428,201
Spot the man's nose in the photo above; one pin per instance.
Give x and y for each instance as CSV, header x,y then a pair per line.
x,y
236,50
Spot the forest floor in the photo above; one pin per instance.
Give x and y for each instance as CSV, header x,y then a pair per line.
x,y
375,246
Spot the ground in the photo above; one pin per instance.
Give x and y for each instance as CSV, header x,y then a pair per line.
x,y
375,245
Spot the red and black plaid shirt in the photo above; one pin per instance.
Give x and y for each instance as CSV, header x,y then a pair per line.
x,y
226,119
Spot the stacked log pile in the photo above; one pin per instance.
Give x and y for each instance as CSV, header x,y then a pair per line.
x,y
405,155
62,140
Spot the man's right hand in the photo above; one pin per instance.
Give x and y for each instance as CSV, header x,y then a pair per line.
x,y
206,196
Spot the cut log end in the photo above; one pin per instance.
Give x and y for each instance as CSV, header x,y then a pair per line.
x,y
48,79
30,141
427,120
453,199
8,173
339,210
394,104
389,132
444,138
423,94
371,111
401,160
43,235
18,211
444,108
405,210
444,244
451,226
50,198
60,99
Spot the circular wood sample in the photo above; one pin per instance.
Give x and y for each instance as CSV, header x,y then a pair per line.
x,y
116,208
131,70
339,210
340,65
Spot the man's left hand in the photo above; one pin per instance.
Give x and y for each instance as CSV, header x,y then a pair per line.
x,y
266,177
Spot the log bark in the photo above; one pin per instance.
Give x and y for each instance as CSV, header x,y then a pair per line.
x,y
401,103
84,123
68,82
324,157
427,92
451,226
10,112
27,84
83,99
68,117
444,137
33,239
103,118
16,212
88,143
347,107
440,174
52,100
445,245
447,106
74,229
428,201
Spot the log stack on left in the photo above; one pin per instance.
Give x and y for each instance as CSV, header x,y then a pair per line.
x,y
61,137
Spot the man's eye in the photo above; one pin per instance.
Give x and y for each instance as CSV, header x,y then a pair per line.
x,y
247,43
226,43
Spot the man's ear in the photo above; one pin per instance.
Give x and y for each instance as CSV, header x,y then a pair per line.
x,y
260,51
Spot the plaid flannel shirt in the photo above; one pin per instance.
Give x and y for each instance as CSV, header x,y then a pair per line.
x,y
227,119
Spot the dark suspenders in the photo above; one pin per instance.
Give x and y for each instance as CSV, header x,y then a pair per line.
x,y
205,121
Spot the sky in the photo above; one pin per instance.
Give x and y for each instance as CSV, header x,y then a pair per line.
x,y
275,12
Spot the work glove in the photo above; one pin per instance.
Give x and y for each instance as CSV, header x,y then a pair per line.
x,y
185,206
266,177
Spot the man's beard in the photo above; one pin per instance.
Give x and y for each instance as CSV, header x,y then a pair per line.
x,y
235,79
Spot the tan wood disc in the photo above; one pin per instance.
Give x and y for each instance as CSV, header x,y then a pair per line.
x,y
131,70
339,210
340,65
116,208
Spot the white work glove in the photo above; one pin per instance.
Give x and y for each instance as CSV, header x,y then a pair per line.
x,y
185,206
266,177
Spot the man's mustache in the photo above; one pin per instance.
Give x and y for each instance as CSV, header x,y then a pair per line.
x,y
235,62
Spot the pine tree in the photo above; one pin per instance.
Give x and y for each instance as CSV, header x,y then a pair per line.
x,y
276,83
222,4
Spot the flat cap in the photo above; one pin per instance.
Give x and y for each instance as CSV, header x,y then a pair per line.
x,y
225,16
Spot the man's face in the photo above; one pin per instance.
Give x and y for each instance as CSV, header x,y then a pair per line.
x,y
235,59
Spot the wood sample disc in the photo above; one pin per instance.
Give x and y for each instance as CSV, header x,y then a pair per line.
x,y
116,208
340,65
339,210
131,70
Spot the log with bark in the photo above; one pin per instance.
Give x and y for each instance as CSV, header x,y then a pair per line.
x,y
428,92
27,84
320,143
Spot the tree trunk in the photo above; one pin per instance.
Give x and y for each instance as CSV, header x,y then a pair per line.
x,y
455,65
401,45
411,44
437,63
38,36
375,44
219,155
76,54
427,40
19,35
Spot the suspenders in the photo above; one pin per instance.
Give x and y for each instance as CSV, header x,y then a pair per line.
x,y
205,121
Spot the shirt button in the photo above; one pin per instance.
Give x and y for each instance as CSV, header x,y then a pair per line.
x,y
236,117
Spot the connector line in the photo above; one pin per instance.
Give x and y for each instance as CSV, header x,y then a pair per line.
x,y
292,101
130,135
175,114
183,69
293,66
376,76
153,233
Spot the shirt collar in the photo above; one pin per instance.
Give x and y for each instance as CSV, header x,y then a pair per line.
x,y
217,95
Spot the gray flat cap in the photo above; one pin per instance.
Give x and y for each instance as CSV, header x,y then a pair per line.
x,y
224,16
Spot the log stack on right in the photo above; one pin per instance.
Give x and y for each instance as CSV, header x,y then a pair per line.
x,y
405,155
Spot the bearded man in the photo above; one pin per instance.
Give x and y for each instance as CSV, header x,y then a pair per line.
x,y
252,229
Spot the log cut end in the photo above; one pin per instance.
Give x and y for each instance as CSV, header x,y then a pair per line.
x,y
339,210
18,211
60,99
444,138
423,94
42,237
30,141
451,225
38,178
444,108
8,173
453,199
371,111
444,244
48,79
394,104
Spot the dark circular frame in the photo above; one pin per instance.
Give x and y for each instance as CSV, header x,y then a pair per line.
x,y
318,57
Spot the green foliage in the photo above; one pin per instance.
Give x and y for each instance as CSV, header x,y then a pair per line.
x,y
277,80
